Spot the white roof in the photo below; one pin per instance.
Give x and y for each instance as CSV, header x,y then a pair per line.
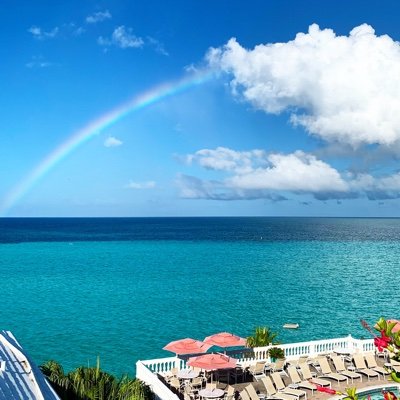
x,y
20,378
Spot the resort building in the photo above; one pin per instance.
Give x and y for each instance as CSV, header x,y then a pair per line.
x,y
20,378
315,370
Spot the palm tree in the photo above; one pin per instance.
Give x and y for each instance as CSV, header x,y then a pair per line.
x,y
263,336
86,383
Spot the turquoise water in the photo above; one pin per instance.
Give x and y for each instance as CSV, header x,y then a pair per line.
x,y
124,300
377,393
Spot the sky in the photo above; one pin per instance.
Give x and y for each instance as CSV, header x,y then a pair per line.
x,y
200,108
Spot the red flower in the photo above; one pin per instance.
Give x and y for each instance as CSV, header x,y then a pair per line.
x,y
387,395
382,342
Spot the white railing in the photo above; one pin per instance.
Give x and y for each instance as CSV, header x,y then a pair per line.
x,y
147,370
161,391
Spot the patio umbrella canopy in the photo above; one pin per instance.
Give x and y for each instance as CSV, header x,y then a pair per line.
x,y
225,339
212,362
187,346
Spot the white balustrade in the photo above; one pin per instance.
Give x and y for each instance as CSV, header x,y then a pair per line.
x,y
161,391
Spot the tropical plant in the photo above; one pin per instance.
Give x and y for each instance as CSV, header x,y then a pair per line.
x,y
276,352
91,383
263,336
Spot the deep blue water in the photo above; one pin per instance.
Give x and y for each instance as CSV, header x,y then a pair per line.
x,y
121,288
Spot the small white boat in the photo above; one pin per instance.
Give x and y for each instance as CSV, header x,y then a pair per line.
x,y
291,326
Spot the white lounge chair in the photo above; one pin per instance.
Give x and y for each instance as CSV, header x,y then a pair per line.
x,y
230,393
272,393
328,373
257,370
244,395
341,369
280,385
371,363
279,366
362,368
252,393
295,378
307,375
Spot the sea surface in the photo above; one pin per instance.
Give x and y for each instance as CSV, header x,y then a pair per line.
x,y
121,288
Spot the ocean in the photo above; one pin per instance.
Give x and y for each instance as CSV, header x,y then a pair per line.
x,y
73,289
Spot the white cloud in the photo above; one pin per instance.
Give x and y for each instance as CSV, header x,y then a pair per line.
x,y
296,172
339,88
98,17
225,159
40,34
38,62
257,174
122,37
157,45
112,142
141,185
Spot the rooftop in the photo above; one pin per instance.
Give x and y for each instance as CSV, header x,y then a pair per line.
x,y
20,378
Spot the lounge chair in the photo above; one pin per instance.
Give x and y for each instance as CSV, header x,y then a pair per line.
x,y
362,368
295,378
257,370
230,393
244,395
371,363
307,375
301,360
252,392
341,369
279,366
272,393
281,387
395,365
327,372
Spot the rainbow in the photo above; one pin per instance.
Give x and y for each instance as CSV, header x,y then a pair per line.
x,y
93,128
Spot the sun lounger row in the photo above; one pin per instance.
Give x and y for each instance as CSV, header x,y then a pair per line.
x,y
302,377
276,389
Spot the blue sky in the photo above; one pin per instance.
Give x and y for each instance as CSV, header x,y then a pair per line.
x,y
299,114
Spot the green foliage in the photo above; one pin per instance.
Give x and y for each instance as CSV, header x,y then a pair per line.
x,y
91,383
276,352
263,336
351,394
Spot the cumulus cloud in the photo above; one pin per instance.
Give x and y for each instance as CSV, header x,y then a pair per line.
x,y
39,33
123,38
98,17
112,142
141,185
340,88
258,174
194,188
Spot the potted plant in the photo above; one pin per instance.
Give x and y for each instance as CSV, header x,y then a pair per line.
x,y
275,353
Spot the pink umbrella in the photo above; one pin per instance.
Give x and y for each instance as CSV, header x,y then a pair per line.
x,y
225,339
396,328
212,362
187,346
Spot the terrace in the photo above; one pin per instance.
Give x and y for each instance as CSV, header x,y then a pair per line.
x,y
158,373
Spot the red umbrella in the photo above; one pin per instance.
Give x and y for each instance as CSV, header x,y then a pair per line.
x,y
396,328
225,339
211,362
187,346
